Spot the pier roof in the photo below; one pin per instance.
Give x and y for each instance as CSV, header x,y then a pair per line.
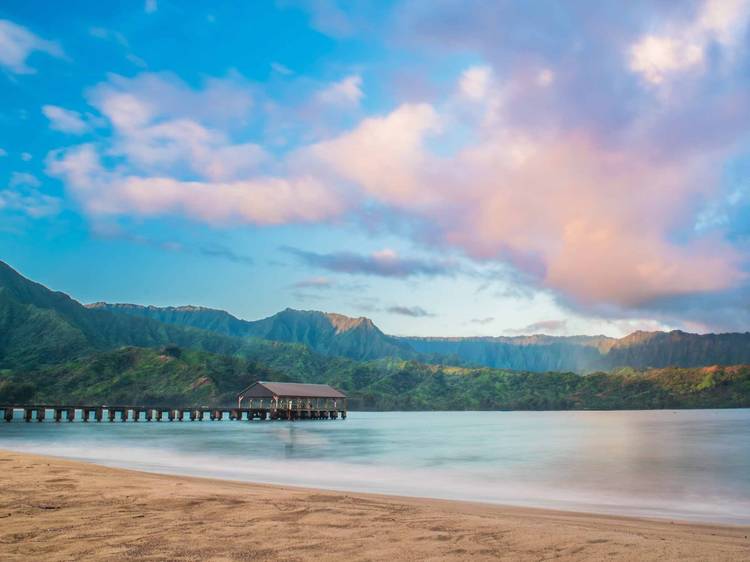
x,y
291,390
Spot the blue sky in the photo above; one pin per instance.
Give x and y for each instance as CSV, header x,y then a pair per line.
x,y
443,167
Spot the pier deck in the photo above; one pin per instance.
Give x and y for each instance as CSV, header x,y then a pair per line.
x,y
70,413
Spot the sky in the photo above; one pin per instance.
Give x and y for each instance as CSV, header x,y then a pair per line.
x,y
444,167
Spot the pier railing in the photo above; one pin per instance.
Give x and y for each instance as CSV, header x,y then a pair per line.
x,y
123,413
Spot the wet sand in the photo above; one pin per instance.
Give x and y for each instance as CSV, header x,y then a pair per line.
x,y
56,509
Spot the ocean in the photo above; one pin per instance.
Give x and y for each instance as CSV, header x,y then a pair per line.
x,y
685,464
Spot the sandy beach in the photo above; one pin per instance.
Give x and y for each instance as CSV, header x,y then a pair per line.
x,y
56,509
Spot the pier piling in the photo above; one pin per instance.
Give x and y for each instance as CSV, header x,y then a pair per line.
x,y
287,409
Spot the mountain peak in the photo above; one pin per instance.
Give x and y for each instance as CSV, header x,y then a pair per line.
x,y
345,323
340,322
125,305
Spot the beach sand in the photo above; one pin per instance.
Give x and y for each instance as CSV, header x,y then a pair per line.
x,y
52,509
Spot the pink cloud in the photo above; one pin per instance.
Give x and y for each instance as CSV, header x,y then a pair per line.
x,y
587,221
587,213
384,156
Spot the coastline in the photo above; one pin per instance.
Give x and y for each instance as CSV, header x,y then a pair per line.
x,y
63,510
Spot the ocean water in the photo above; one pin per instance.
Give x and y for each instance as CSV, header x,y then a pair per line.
x,y
688,464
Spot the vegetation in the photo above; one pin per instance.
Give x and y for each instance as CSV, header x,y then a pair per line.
x,y
54,349
172,375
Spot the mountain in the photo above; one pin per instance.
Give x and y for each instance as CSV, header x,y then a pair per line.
x,y
54,349
585,354
578,354
360,339
173,376
325,333
39,326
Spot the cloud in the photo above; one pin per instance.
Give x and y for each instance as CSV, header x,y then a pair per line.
x,y
22,195
162,127
346,92
18,43
65,120
313,283
18,179
3,152
281,69
384,263
684,47
548,327
26,156
136,60
109,35
176,156
150,6
328,17
301,296
225,253
589,194
262,200
382,155
475,81
411,311
655,57
111,231
500,204
149,96
482,321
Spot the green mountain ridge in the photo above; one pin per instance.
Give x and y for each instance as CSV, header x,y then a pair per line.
x,y
360,339
326,333
54,349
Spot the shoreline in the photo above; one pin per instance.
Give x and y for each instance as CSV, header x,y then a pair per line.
x,y
62,509
276,474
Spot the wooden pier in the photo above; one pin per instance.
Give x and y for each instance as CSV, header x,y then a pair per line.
x,y
259,401
282,410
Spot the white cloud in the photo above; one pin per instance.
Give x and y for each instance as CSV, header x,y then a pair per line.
x,y
22,196
656,57
164,127
65,120
176,155
26,156
18,179
347,91
136,60
220,102
151,6
3,152
281,69
259,200
16,45
109,35
475,82
680,49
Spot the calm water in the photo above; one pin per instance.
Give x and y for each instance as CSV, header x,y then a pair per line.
x,y
678,464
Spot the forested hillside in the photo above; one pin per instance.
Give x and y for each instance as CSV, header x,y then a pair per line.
x,y
360,339
54,349
175,376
